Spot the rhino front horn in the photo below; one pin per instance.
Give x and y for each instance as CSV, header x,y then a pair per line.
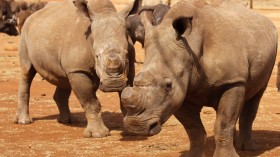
x,y
130,98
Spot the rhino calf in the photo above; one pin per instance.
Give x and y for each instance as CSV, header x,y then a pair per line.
x,y
220,56
79,45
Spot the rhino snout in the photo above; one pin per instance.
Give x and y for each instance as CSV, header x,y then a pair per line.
x,y
136,126
113,63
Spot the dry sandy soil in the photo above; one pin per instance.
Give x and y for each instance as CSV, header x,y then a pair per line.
x,y
46,137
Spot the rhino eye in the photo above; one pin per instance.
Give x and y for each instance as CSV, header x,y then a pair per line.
x,y
167,85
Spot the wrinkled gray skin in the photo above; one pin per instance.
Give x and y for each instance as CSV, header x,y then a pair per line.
x,y
220,56
135,27
76,45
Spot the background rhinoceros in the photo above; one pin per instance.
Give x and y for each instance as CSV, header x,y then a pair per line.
x,y
133,22
79,45
219,55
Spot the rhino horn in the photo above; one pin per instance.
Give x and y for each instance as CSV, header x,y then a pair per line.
x,y
130,98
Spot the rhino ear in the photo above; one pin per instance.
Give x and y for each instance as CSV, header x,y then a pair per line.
x,y
82,8
183,25
146,19
132,8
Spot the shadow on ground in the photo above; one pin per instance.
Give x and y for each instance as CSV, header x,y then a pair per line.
x,y
262,137
113,120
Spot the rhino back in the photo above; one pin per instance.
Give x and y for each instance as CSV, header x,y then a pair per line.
x,y
56,42
239,46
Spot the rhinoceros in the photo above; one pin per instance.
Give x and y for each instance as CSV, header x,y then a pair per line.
x,y
8,27
79,45
218,55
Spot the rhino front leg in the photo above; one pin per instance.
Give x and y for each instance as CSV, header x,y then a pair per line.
x,y
61,97
189,116
85,91
27,74
228,111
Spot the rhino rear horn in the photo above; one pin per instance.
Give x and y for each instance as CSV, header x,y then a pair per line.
x,y
183,25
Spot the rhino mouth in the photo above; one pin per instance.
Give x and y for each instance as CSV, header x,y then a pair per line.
x,y
155,128
113,84
134,126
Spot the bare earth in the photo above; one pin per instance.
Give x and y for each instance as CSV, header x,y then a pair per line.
x,y
46,137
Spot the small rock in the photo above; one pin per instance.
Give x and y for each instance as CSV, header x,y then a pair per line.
x,y
207,112
11,48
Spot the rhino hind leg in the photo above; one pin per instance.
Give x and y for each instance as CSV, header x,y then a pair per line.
x,y
189,116
61,97
27,74
245,141
228,111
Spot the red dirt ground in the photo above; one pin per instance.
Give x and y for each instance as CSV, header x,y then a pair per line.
x,y
46,137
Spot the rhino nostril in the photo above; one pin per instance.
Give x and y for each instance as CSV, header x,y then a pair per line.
x,y
155,128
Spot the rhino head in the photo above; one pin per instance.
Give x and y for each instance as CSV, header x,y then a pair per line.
x,y
111,42
160,88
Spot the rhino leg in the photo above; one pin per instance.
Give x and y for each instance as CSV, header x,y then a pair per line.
x,y
228,111
85,91
189,116
247,117
27,74
61,97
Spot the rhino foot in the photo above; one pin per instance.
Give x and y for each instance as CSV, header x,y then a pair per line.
x,y
248,145
195,153
225,152
96,132
25,119
64,119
